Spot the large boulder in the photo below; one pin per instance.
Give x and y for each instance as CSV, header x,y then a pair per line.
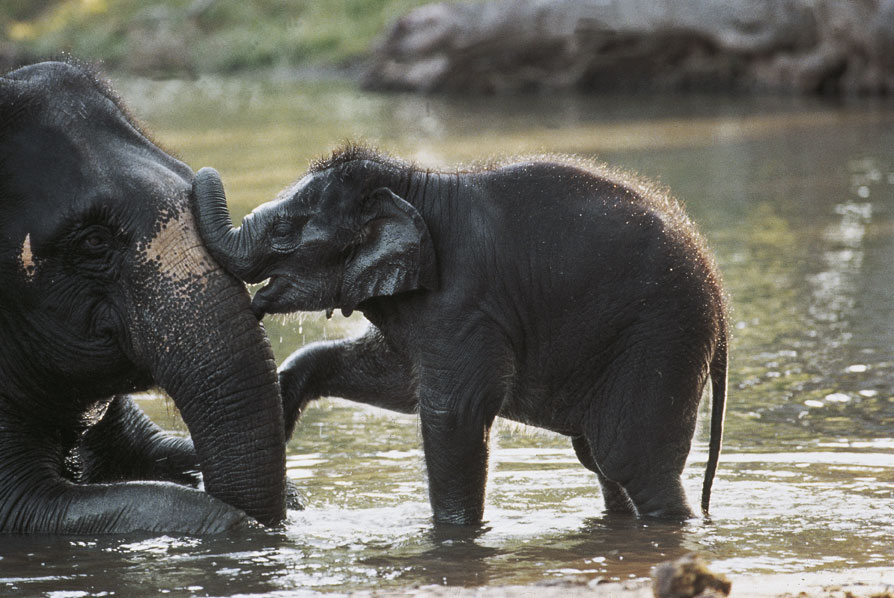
x,y
806,46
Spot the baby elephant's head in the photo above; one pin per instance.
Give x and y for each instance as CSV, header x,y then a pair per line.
x,y
322,244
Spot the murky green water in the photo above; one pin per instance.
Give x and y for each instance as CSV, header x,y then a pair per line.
x,y
797,200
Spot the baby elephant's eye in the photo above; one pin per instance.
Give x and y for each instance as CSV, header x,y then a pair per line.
x,y
283,236
282,230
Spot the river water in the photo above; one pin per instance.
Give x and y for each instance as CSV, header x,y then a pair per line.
x,y
795,197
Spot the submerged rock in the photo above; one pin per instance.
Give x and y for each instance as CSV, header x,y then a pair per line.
x,y
688,577
805,46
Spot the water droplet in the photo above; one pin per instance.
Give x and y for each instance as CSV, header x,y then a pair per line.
x,y
863,191
813,403
868,393
857,368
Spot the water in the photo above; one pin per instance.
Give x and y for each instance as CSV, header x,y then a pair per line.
x,y
796,199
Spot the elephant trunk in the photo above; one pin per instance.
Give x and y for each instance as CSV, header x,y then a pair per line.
x,y
196,333
232,247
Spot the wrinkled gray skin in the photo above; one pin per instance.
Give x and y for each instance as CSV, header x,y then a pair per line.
x,y
106,289
555,294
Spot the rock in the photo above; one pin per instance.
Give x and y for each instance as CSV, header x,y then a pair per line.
x,y
688,577
805,46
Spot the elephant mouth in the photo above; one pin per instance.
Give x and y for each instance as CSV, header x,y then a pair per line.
x,y
285,294
268,300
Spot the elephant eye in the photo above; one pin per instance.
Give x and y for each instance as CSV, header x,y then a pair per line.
x,y
282,230
96,240
283,236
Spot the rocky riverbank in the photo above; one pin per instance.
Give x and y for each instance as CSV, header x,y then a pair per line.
x,y
506,46
832,47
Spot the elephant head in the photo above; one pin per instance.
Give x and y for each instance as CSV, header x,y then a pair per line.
x,y
107,288
332,240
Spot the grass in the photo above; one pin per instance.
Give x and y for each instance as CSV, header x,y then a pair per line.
x,y
177,37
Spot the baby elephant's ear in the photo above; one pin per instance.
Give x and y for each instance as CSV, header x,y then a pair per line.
x,y
395,254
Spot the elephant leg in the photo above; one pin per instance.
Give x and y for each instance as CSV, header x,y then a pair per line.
x,y
459,398
36,498
126,445
364,369
660,495
641,433
652,482
155,507
614,495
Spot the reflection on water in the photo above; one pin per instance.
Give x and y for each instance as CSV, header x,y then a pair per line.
x,y
796,199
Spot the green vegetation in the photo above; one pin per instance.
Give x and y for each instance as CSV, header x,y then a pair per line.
x,y
182,37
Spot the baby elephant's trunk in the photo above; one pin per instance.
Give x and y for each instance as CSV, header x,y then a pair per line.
x,y
233,248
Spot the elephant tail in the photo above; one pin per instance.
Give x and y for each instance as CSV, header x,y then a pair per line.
x,y
718,371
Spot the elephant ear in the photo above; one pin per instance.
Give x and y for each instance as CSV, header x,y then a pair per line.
x,y
395,253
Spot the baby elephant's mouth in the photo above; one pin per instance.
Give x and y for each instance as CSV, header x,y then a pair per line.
x,y
269,298
259,306
283,294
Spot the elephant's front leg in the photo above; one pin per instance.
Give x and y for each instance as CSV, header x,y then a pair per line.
x,y
364,369
154,507
36,498
126,445
459,399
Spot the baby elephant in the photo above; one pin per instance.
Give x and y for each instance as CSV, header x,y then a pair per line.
x,y
559,294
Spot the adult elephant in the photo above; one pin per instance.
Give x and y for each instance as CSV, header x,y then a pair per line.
x,y
105,289
555,293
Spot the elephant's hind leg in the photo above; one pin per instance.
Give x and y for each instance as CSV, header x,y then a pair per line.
x,y
660,496
641,433
614,495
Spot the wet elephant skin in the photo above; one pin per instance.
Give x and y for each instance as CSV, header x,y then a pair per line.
x,y
552,291
106,290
